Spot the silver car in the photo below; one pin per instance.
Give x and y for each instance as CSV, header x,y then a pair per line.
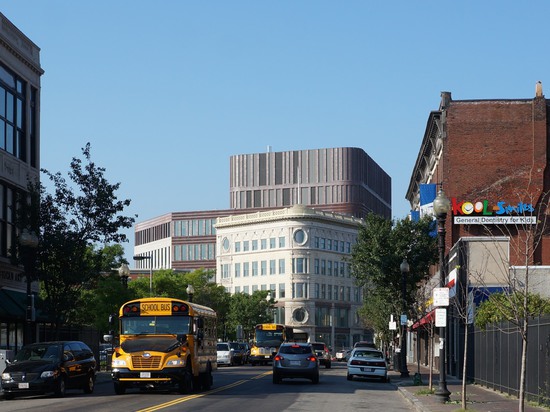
x,y
295,360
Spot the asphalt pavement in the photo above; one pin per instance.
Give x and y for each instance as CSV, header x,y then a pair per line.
x,y
478,398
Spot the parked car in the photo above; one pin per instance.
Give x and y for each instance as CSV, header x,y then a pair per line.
x,y
50,367
367,363
323,354
226,355
245,348
238,354
365,344
343,355
295,360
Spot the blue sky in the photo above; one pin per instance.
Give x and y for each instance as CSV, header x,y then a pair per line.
x,y
167,91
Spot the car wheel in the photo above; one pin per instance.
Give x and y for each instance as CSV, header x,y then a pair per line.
x,y
8,396
276,379
120,388
61,388
350,377
207,379
315,379
328,365
186,384
89,385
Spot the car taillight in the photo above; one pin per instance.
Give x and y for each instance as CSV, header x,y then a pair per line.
x,y
356,362
278,358
312,358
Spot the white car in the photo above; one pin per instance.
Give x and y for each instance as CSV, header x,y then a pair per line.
x,y
225,354
367,363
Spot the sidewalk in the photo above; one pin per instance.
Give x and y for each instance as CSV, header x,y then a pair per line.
x,y
479,398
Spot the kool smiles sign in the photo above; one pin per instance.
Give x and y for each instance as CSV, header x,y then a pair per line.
x,y
481,213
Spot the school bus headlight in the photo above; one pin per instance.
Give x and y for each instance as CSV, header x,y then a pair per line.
x,y
117,363
175,362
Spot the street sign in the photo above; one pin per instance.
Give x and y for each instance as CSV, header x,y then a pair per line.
x,y
440,317
403,319
441,297
393,325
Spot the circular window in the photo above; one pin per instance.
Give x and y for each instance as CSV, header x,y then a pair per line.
x,y
300,236
300,315
225,244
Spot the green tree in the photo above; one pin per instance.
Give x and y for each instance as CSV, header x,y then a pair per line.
x,y
375,263
248,311
73,219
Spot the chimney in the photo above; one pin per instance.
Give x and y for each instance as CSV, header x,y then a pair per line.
x,y
538,89
445,100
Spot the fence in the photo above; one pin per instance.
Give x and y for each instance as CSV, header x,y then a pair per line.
x,y
495,359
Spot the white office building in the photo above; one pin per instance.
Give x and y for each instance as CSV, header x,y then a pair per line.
x,y
301,256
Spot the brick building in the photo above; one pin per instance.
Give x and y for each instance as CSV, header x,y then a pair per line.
x,y
491,159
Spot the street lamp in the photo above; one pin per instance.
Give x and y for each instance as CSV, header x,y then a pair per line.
x,y
143,257
403,354
124,273
29,241
190,292
442,206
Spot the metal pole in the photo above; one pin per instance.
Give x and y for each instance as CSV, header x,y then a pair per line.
x,y
442,392
403,354
150,277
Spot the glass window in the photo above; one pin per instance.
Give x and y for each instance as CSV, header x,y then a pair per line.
x,y
323,267
322,243
281,290
245,269
246,289
254,268
272,243
254,244
281,241
237,247
281,266
323,291
317,291
316,266
329,267
263,267
329,292
299,290
245,246
300,237
263,244
272,266
237,270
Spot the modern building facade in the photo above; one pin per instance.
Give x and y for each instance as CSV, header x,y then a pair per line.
x,y
301,256
20,74
343,180
340,180
491,159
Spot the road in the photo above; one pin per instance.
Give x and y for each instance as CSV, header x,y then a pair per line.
x,y
238,388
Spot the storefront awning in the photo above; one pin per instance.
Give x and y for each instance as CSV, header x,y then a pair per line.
x,y
428,318
13,304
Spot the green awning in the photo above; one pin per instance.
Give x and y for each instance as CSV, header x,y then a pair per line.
x,y
13,305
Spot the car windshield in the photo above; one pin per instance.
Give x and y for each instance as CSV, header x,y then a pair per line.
x,y
368,354
295,349
235,346
155,325
48,353
223,347
318,346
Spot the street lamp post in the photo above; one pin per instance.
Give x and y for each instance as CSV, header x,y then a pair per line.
x,y
143,257
403,354
29,241
442,206
124,273
190,292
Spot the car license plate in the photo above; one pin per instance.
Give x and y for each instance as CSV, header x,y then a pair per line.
x,y
367,369
145,374
295,363
266,356
23,385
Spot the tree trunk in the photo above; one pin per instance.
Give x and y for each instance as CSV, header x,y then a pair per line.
x,y
431,360
521,406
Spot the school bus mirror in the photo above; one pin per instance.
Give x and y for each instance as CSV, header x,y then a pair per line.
x,y
108,338
200,323
112,318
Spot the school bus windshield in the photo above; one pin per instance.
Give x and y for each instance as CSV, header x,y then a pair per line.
x,y
155,325
269,337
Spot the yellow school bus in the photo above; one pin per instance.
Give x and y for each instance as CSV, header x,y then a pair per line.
x,y
267,339
164,343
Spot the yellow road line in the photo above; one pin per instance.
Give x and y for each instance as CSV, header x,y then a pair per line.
x,y
200,395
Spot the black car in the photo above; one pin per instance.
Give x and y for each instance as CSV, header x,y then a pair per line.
x,y
50,367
